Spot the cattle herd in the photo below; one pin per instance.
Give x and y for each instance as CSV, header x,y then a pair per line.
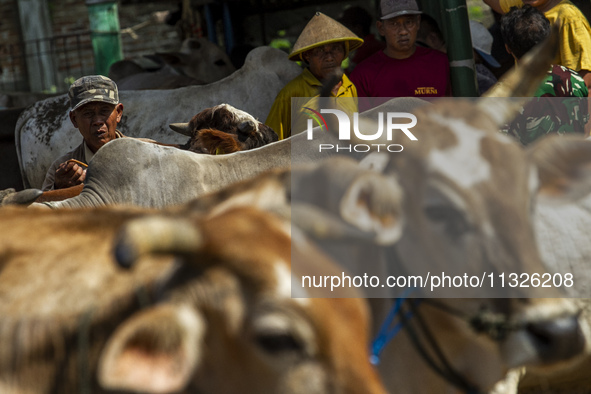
x,y
178,270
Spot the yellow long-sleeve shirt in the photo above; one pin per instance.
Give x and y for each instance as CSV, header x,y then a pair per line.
x,y
304,85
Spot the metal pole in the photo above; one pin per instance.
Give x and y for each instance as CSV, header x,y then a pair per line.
x,y
228,31
211,34
105,34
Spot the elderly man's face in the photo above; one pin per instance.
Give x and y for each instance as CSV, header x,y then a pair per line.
x,y
325,59
97,122
400,34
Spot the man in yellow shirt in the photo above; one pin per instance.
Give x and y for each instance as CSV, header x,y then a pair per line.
x,y
323,45
575,32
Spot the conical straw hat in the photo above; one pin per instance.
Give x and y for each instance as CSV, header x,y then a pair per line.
x,y
322,30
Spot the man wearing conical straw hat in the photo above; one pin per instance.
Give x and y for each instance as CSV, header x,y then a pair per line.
x,y
322,46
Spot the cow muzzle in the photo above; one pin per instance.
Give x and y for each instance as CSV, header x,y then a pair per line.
x,y
557,340
247,127
545,343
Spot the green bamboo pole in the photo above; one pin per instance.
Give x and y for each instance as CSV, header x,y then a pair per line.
x,y
452,16
105,34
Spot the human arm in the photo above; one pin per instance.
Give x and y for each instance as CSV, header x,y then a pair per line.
x,y
503,6
586,75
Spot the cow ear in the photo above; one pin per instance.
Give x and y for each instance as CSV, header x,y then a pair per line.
x,y
373,203
563,164
321,224
375,161
155,351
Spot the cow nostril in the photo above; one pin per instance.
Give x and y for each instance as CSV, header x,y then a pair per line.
x,y
247,126
557,340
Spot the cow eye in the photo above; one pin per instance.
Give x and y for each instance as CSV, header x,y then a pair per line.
x,y
280,336
220,62
452,220
276,343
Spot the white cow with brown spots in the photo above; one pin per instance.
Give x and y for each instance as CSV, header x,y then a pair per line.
x,y
469,197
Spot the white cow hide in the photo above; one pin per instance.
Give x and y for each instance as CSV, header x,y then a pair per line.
x,y
44,131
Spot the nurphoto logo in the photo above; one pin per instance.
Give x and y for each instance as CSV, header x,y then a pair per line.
x,y
388,122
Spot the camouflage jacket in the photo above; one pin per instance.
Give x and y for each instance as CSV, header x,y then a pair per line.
x,y
559,106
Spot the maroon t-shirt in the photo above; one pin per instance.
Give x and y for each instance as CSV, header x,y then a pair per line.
x,y
424,74
370,46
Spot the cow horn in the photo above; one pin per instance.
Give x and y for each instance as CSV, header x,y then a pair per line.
x,y
522,81
182,128
322,225
155,234
23,197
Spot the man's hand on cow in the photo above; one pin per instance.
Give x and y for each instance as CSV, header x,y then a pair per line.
x,y
69,174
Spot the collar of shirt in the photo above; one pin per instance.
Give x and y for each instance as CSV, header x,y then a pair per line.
x,y
88,153
313,81
310,78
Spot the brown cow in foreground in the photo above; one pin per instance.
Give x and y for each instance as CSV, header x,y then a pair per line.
x,y
219,318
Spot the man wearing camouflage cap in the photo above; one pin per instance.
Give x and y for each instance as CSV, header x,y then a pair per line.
x,y
95,112
323,45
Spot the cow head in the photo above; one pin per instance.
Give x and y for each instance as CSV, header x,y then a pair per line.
x,y
224,129
228,322
200,59
470,194
266,340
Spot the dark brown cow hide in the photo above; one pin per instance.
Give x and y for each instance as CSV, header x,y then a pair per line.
x,y
224,129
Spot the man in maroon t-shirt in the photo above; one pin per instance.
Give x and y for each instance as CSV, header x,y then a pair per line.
x,y
403,69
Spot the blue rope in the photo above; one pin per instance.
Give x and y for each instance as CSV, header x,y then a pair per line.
x,y
386,334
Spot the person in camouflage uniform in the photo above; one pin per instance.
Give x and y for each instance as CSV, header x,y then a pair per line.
x,y
560,103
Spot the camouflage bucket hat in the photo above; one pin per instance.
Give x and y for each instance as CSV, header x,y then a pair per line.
x,y
93,88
